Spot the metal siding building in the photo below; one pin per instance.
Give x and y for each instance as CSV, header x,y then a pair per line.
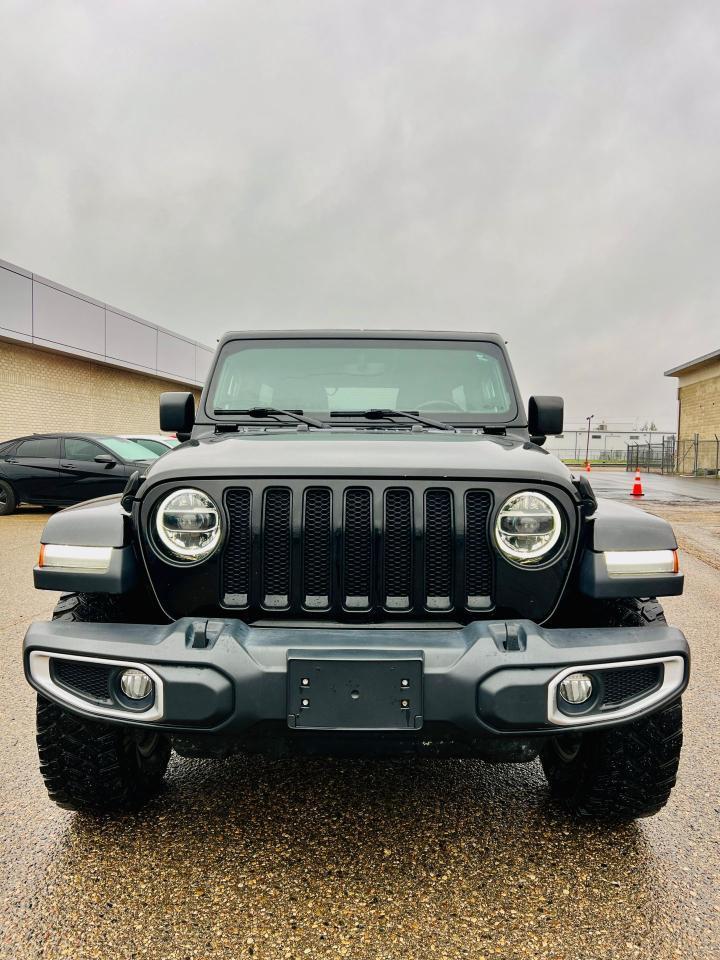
x,y
70,362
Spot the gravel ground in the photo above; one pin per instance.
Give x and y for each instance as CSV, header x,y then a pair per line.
x,y
373,861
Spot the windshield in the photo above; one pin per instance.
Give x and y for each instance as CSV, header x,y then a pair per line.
x,y
462,380
128,449
155,445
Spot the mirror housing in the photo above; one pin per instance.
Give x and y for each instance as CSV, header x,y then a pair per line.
x,y
545,416
177,413
107,459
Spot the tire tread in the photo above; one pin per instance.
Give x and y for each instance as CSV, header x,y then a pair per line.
x,y
86,764
624,772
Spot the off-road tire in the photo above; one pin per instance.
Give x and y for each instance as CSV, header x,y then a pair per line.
x,y
96,767
625,772
8,501
92,766
135,607
579,611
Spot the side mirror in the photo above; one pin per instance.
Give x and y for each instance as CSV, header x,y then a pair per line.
x,y
177,413
545,416
106,459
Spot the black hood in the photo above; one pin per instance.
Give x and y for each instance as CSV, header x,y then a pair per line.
x,y
360,453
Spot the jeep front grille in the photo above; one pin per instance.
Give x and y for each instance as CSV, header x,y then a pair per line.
x,y
357,549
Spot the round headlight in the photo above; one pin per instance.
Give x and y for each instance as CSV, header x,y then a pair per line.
x,y
527,527
188,525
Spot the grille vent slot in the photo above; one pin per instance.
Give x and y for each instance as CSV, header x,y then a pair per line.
x,y
276,548
357,549
398,550
317,549
438,549
478,561
237,552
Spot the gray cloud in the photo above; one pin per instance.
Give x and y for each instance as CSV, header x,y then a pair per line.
x,y
549,170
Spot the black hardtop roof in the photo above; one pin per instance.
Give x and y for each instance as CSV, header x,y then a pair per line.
x,y
362,333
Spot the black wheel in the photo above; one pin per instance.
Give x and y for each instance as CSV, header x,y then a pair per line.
x,y
89,765
624,772
7,499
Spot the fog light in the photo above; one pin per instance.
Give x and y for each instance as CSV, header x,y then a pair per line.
x,y
135,684
576,688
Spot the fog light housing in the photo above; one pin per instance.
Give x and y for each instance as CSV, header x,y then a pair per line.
x,y
135,684
576,688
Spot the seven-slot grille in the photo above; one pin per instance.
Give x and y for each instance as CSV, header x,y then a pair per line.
x,y
357,549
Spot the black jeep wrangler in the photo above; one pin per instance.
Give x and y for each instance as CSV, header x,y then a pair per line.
x,y
360,548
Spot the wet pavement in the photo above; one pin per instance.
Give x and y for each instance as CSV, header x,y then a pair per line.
x,y
659,488
372,861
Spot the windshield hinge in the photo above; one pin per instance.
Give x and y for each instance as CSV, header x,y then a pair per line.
x,y
588,501
131,488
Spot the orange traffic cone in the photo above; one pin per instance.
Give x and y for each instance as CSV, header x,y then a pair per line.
x,y
587,466
637,490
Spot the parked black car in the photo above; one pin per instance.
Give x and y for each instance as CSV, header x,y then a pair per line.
x,y
60,469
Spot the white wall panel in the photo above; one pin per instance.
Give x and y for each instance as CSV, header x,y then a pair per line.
x,y
130,340
15,302
67,320
175,356
203,358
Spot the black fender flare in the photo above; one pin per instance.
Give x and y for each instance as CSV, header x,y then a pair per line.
x,y
620,526
96,523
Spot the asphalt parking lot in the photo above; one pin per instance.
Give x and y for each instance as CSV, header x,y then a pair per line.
x,y
658,488
373,861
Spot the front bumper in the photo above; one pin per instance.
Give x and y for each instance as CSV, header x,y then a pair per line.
x,y
488,678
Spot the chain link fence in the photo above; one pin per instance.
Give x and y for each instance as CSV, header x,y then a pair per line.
x,y
700,458
690,457
574,457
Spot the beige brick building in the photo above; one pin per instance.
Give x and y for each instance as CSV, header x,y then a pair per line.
x,y
41,392
71,363
698,449
698,397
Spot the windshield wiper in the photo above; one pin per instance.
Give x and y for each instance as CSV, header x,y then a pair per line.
x,y
273,412
391,415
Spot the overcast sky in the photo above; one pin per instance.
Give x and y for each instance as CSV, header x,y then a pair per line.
x,y
549,170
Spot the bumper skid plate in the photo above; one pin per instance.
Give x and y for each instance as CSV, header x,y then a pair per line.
x,y
487,678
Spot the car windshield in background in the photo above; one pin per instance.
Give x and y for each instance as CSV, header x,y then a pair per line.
x,y
128,449
463,380
156,446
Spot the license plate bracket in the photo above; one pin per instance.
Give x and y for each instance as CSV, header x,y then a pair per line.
x,y
355,692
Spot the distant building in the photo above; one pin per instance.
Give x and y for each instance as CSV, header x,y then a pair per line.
x,y
604,445
69,362
698,397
